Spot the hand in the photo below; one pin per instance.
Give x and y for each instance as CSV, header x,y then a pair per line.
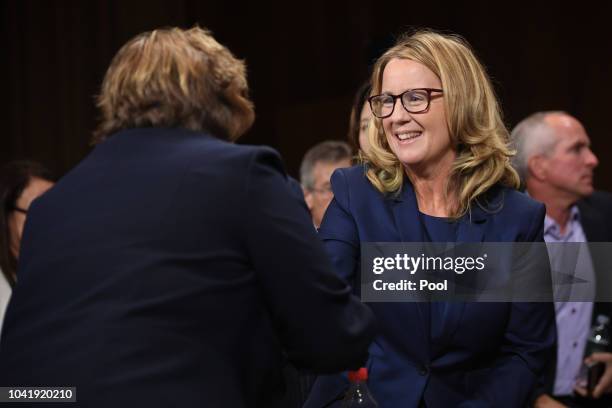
x,y
605,382
546,401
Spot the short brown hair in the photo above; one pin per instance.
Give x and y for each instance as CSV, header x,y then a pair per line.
x,y
175,78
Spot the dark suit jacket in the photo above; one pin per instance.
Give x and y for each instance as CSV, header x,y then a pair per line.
x,y
596,221
170,268
486,354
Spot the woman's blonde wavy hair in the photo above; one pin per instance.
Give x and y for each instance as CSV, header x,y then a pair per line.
x,y
473,115
175,78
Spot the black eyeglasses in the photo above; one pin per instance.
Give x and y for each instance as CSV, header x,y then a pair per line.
x,y
21,210
413,100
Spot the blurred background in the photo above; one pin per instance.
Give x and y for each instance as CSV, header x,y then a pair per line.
x,y
305,61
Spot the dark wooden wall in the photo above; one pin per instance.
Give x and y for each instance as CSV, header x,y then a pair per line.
x,y
305,61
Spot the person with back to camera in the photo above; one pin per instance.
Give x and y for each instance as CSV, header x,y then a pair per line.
x,y
21,182
172,267
438,169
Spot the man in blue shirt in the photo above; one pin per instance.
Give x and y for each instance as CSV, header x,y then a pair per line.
x,y
556,165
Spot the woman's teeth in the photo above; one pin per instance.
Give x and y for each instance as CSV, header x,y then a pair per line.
x,y
408,135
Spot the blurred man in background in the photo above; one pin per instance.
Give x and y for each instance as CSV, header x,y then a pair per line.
x,y
556,164
319,163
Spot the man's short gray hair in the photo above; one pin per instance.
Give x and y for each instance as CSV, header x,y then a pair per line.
x,y
330,151
533,135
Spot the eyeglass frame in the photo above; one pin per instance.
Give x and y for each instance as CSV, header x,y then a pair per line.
x,y
396,97
322,190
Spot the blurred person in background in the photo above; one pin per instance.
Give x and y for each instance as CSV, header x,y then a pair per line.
x,y
438,170
172,267
21,182
556,164
359,120
319,162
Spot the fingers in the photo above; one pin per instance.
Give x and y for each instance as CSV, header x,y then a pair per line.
x,y
599,357
605,383
581,391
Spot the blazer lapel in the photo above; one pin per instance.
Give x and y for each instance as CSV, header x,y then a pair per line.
x,y
592,222
406,215
472,226
470,229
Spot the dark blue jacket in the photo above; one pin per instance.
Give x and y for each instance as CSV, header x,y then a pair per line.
x,y
171,268
485,354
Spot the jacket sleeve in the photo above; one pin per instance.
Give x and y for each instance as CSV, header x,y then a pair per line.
x,y
339,232
322,326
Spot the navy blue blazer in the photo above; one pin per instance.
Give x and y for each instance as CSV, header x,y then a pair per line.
x,y
171,268
484,354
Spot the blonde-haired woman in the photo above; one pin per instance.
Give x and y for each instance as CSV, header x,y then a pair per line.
x,y
438,169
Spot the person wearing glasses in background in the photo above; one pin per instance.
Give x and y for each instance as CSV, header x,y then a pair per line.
x,y
316,169
21,182
438,169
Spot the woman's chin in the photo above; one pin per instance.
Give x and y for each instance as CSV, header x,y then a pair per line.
x,y
410,160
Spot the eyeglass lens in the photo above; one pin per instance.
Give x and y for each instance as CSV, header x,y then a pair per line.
x,y
413,101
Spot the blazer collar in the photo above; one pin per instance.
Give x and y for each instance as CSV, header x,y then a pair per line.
x,y
471,225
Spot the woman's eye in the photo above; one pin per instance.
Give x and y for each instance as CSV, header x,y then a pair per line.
x,y
415,97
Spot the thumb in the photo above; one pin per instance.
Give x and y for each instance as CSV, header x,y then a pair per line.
x,y
598,357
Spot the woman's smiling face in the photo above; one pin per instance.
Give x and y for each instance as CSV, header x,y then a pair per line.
x,y
418,140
